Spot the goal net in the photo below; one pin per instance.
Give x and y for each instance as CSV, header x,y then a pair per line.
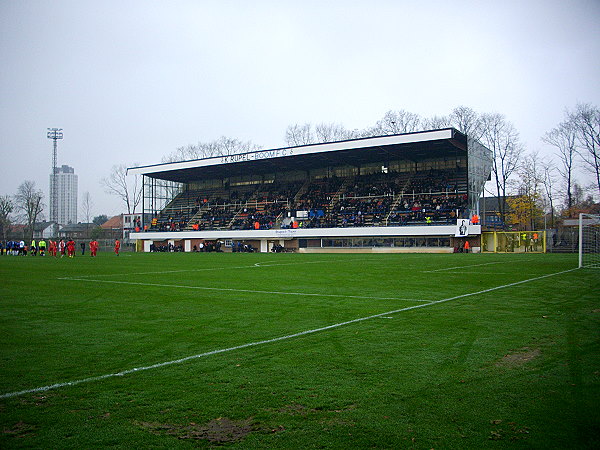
x,y
589,240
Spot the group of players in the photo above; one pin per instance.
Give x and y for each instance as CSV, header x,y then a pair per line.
x,y
65,248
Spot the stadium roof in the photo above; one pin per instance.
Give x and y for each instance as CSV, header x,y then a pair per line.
x,y
417,146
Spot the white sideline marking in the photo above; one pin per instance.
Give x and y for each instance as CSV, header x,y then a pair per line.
x,y
478,272
462,267
252,291
473,265
265,264
269,341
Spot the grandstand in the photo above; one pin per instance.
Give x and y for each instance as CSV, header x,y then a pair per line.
x,y
406,192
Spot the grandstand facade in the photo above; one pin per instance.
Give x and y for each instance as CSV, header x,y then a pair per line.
x,y
406,192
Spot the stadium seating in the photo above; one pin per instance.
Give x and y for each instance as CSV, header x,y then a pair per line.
x,y
377,199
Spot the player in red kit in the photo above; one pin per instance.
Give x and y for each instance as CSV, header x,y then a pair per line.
x,y
71,248
52,248
117,247
93,247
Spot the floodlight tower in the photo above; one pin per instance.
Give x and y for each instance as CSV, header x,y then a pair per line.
x,y
55,134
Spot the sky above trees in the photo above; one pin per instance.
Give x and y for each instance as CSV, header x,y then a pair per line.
x,y
130,82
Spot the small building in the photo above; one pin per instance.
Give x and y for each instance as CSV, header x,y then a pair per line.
x,y
45,230
134,223
113,227
17,231
76,230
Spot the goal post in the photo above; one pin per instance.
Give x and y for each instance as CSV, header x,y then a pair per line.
x,y
589,240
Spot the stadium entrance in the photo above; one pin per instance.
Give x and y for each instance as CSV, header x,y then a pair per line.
x,y
415,192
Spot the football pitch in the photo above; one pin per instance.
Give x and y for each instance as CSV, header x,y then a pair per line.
x,y
299,351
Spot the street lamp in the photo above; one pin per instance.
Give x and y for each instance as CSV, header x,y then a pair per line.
x,y
55,134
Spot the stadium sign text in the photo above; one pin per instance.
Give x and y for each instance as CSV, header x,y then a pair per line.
x,y
267,154
285,233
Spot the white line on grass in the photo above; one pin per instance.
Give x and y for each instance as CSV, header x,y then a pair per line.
x,y
251,291
253,266
473,265
478,272
462,267
270,341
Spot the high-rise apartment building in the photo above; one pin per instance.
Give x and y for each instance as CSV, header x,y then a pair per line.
x,y
66,191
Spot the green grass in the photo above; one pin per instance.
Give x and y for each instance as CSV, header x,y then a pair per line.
x,y
517,366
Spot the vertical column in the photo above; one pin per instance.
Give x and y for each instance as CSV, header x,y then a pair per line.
x,y
580,240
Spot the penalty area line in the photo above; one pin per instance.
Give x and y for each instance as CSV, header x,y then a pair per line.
x,y
270,341
462,267
204,269
248,291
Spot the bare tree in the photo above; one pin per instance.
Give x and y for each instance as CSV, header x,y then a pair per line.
x,y
29,201
6,208
86,208
128,189
306,134
224,146
299,135
586,120
231,146
530,171
436,122
502,139
563,137
530,183
182,154
549,178
467,121
331,132
397,122
578,195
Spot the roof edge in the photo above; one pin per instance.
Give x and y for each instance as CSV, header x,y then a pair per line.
x,y
324,147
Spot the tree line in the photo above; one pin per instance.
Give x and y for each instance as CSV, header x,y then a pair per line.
x,y
545,183
27,206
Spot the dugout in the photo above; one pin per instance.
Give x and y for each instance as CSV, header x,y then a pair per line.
x,y
406,192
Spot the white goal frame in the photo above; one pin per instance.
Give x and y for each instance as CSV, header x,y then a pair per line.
x,y
589,240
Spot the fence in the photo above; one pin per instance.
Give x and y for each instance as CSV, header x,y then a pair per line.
x,y
514,242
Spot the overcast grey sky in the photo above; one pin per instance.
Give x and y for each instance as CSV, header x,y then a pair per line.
x,y
130,81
